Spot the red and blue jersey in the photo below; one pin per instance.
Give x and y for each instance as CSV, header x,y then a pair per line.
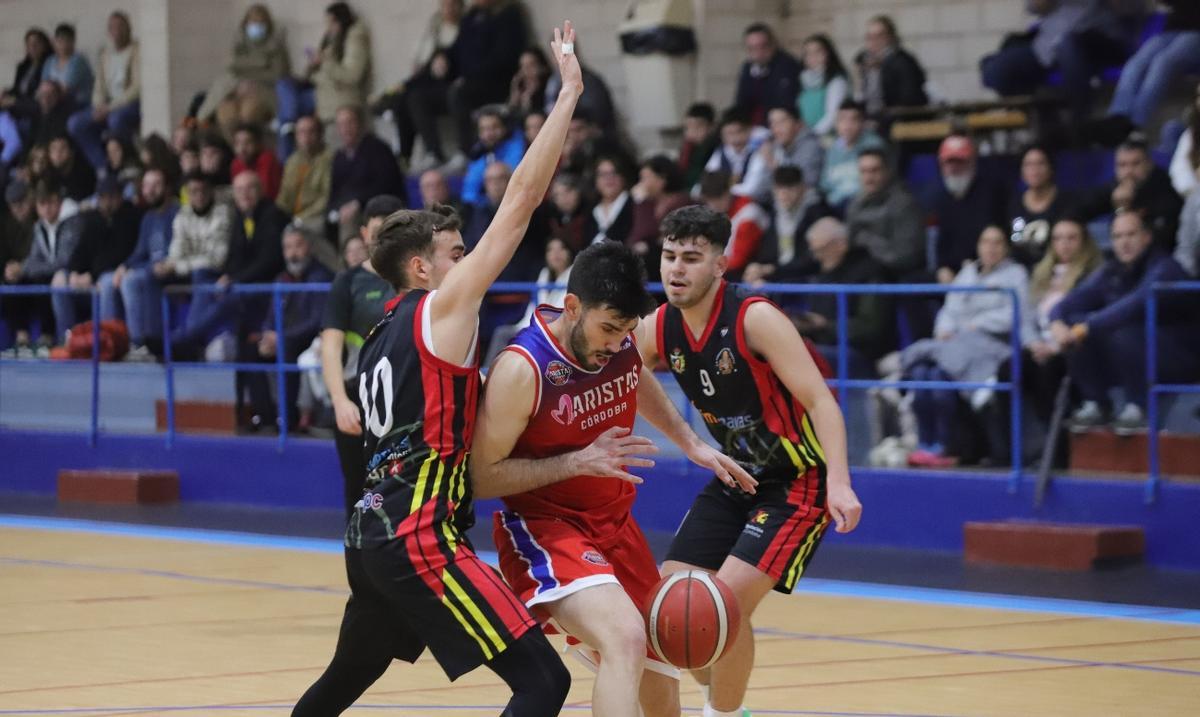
x,y
572,406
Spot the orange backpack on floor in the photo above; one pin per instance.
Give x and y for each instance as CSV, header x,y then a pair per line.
x,y
114,340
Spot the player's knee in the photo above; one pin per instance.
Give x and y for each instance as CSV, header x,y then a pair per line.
x,y
624,639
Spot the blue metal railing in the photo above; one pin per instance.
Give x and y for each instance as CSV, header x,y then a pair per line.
x,y
1156,389
94,311
280,367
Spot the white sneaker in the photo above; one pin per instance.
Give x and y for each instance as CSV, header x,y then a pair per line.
x,y
222,349
140,354
1130,420
1087,416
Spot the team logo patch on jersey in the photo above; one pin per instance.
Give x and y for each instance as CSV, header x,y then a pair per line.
x,y
678,364
725,362
558,373
760,518
594,558
565,413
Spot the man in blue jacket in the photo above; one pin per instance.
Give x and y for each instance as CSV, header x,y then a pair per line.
x,y
141,291
1103,319
497,143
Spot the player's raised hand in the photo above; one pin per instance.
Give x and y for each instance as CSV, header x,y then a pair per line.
x,y
843,505
564,53
727,470
611,453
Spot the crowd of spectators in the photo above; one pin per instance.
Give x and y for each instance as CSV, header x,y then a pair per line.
x,y
277,174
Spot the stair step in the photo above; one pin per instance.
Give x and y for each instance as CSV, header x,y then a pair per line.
x,y
1060,546
118,486
1105,451
198,417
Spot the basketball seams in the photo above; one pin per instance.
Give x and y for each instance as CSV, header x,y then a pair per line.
x,y
652,623
722,615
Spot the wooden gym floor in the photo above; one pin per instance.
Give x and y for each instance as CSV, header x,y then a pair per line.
x,y
101,620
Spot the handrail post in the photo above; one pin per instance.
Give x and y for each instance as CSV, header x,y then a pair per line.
x,y
168,367
1151,394
281,416
94,430
843,342
1014,394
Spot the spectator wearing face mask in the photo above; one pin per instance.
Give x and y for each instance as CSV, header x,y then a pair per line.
x,y
967,202
245,92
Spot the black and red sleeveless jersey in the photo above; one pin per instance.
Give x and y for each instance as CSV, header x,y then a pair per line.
x,y
753,417
418,416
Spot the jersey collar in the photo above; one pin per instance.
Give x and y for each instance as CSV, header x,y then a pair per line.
x,y
697,345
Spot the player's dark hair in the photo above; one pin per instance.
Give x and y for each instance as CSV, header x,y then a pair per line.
x,y
408,233
694,222
608,274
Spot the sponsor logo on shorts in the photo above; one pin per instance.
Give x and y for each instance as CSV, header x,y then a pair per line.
x,y
558,373
594,558
678,363
725,362
754,525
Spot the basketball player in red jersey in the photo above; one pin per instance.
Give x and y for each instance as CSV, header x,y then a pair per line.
x,y
742,364
415,581
554,439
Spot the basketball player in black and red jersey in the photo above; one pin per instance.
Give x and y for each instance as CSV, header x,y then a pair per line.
x,y
554,440
415,581
742,364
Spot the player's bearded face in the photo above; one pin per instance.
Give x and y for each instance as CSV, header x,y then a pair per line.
x,y
597,336
689,269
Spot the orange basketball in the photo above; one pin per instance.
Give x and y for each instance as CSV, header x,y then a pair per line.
x,y
692,619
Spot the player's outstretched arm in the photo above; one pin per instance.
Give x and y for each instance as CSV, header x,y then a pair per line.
x,y
462,290
507,407
655,406
771,335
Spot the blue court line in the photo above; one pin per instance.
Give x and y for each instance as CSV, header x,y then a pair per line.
x,y
422,708
1066,661
813,586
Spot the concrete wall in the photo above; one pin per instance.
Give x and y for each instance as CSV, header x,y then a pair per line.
x,y
186,42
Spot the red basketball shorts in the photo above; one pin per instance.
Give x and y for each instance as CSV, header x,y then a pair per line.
x,y
545,559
